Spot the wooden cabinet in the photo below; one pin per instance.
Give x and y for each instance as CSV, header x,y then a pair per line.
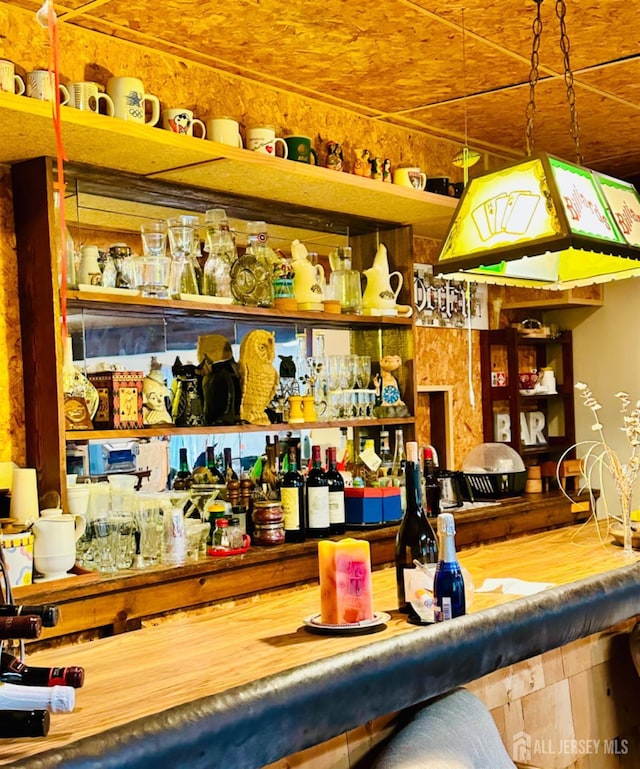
x,y
538,425
143,173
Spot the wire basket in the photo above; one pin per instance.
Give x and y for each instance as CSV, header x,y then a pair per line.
x,y
496,485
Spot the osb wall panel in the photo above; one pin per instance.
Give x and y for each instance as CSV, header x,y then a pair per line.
x,y
12,438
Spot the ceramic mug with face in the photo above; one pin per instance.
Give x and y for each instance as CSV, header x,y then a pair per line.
x,y
130,100
410,176
225,130
9,81
181,121
263,139
41,85
86,95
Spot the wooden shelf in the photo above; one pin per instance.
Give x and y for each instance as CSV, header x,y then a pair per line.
x,y
239,175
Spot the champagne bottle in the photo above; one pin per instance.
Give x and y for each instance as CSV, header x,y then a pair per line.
x,y
14,671
20,627
431,486
398,468
292,498
337,523
55,699
183,479
448,583
216,474
415,540
48,613
317,497
15,724
229,473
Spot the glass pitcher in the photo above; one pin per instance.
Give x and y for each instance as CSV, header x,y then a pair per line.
x,y
344,283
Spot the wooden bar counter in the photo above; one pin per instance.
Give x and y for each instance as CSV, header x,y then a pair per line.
x,y
241,686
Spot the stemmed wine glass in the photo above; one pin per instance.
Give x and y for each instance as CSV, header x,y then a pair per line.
x,y
364,371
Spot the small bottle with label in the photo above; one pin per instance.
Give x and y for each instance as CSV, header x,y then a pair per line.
x,y
448,583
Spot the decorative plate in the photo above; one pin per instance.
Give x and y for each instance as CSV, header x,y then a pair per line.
x,y
314,624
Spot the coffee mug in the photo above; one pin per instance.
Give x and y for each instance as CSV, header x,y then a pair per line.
x,y
438,184
300,149
225,130
410,176
130,100
182,121
86,95
40,85
9,81
263,139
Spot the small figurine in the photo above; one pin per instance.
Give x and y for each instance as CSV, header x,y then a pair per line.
x,y
386,170
376,167
154,396
258,376
221,390
335,156
361,165
390,402
186,395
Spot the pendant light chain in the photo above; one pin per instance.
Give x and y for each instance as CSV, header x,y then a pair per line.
x,y
534,76
561,12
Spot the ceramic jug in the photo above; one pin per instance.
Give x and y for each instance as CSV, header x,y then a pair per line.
x,y
379,295
54,547
308,278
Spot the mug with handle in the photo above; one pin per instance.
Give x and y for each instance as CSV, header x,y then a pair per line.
x,y
181,121
300,149
224,130
86,95
9,81
40,85
410,176
263,139
130,100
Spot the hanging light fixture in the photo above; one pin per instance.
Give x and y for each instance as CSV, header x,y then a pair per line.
x,y
466,157
545,222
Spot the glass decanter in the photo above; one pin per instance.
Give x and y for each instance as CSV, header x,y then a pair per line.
x,y
221,246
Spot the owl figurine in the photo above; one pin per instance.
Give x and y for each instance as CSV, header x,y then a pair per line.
x,y
258,376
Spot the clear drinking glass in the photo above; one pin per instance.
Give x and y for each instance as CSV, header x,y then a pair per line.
x,y
152,269
105,533
183,237
149,523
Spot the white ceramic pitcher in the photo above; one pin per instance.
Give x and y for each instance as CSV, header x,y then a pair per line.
x,y
54,546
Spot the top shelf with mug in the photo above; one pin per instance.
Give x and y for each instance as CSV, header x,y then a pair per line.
x,y
133,148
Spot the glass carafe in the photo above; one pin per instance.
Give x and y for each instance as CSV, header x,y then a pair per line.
x,y
344,283
222,253
183,237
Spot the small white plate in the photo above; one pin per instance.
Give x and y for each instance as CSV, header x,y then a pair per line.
x,y
528,392
353,628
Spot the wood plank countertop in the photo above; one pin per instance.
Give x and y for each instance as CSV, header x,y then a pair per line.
x,y
185,661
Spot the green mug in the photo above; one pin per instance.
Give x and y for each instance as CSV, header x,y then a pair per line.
x,y
300,149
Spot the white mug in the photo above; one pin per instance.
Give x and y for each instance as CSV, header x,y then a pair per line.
x,y
410,176
182,121
225,130
86,95
40,85
89,271
263,139
9,81
130,100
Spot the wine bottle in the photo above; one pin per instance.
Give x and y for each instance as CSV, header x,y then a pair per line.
x,y
317,497
48,613
229,473
398,468
432,489
292,497
15,724
55,699
337,523
448,583
183,479
386,461
416,540
29,626
14,671
216,474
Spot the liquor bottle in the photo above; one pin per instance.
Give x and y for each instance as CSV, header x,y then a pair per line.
x,y
386,460
15,724
48,613
216,474
337,523
14,671
229,473
292,497
55,699
317,497
416,540
183,479
448,583
398,466
20,627
432,489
